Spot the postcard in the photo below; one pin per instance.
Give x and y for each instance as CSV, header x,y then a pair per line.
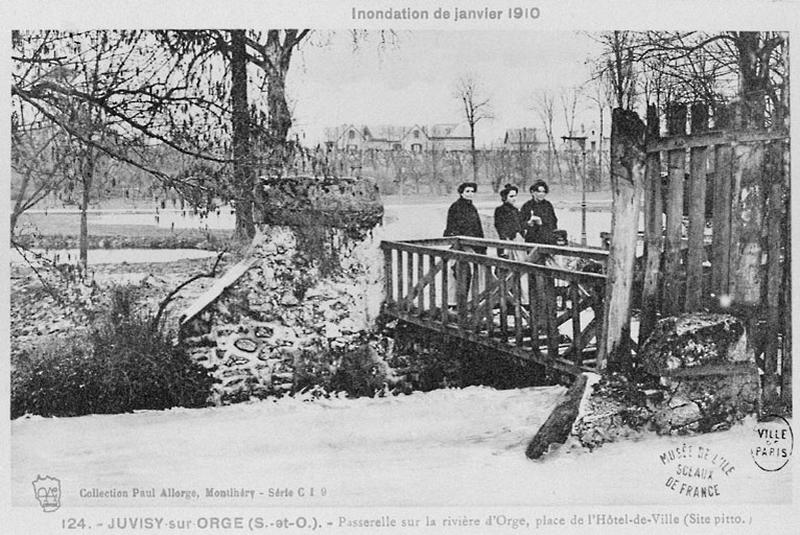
x,y
462,267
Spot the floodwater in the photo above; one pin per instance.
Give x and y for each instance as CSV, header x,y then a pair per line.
x,y
402,222
117,256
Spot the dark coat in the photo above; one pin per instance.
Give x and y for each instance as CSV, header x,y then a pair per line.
x,y
507,222
463,220
539,233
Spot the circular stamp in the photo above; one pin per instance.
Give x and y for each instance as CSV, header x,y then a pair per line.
x,y
773,442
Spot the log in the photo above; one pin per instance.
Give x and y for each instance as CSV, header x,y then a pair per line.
x,y
558,425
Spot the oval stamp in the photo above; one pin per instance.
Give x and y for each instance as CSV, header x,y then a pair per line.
x,y
773,443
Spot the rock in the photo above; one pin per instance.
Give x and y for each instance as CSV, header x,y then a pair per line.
x,y
691,340
677,418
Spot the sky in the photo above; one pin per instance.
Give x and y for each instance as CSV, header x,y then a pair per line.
x,y
413,80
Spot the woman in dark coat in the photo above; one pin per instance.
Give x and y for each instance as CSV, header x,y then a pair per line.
x,y
539,216
462,217
507,217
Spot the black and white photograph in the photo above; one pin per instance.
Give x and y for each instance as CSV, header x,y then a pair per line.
x,y
418,268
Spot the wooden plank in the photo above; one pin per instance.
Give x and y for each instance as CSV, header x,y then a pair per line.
x,y
653,233
216,289
421,282
674,210
774,287
549,302
445,297
462,287
409,298
516,284
491,282
575,297
748,220
388,276
787,355
697,224
501,280
433,269
683,142
721,221
589,253
523,267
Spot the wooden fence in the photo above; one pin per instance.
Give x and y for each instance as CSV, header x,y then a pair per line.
x,y
717,232
547,308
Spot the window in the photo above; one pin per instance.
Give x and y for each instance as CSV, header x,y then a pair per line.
x,y
352,134
416,134
416,147
396,146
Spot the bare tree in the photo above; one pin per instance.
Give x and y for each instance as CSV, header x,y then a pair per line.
x,y
476,107
545,108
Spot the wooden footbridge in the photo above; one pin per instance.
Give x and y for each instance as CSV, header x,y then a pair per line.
x,y
546,307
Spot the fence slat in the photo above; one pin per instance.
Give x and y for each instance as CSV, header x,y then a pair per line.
x,y
549,302
697,224
674,209
445,297
775,220
501,276
388,276
533,304
721,221
400,280
575,297
432,285
654,232
517,289
420,276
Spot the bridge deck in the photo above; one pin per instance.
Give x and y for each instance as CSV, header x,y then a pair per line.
x,y
545,305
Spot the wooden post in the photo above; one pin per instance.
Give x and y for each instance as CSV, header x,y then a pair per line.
x,y
775,217
721,222
432,286
697,214
748,220
388,276
654,231
627,184
786,360
676,124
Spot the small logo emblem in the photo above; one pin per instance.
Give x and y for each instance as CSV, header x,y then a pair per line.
x,y
773,443
48,493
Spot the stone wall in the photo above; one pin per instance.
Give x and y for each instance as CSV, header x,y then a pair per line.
x,y
282,324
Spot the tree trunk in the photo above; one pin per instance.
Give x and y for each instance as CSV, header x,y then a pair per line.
x,y
87,177
627,185
473,152
242,165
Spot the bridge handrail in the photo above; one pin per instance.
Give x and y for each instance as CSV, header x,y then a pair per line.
x,y
580,252
524,267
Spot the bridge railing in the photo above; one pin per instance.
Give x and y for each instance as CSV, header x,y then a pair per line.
x,y
547,307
